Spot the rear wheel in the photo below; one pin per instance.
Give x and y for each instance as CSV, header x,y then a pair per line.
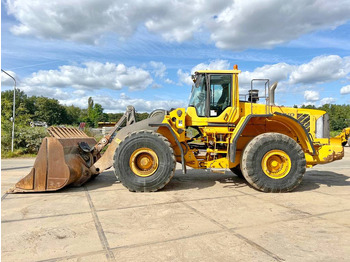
x,y
273,162
144,161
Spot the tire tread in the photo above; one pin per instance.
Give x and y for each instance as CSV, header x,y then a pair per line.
x,y
170,151
248,162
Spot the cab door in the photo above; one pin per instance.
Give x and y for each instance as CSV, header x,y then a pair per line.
x,y
221,98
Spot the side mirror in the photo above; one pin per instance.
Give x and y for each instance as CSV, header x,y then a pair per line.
x,y
193,78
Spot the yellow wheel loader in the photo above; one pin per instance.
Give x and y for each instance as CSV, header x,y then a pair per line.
x,y
345,136
268,145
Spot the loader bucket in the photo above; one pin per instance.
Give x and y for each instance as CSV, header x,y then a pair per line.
x,y
63,159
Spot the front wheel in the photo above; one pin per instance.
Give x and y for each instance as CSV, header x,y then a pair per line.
x,y
144,161
273,162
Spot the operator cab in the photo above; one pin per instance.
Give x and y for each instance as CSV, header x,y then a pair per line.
x,y
211,93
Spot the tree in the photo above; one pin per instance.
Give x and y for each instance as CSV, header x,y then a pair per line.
x,y
141,116
74,115
21,97
95,114
50,111
339,116
309,106
114,117
22,118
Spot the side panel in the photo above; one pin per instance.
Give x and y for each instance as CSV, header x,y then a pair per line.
x,y
252,125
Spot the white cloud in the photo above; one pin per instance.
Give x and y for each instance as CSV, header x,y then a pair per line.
x,y
119,105
291,78
93,19
169,81
51,92
275,72
79,92
159,69
156,86
253,24
321,69
124,96
311,95
92,75
184,77
345,90
6,80
327,100
213,65
232,25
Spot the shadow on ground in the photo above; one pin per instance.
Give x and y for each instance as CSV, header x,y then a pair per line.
x,y
194,179
314,179
200,180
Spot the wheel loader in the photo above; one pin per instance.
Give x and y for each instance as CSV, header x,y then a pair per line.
x,y
345,136
270,146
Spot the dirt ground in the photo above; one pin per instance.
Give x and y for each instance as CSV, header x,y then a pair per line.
x,y
200,216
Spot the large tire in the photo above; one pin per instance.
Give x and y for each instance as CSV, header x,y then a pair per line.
x,y
237,171
144,161
273,162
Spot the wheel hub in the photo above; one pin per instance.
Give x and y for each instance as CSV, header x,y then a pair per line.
x,y
276,164
143,162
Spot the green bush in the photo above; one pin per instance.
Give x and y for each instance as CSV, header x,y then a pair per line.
x,y
27,140
30,138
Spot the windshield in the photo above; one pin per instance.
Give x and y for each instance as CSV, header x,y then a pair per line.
x,y
198,95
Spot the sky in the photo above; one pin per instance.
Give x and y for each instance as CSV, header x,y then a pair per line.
x,y
142,53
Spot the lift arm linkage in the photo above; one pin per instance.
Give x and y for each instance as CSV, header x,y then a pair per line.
x,y
129,117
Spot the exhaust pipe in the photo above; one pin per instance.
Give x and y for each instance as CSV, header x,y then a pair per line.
x,y
272,94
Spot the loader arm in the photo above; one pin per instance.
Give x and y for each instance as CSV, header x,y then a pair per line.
x,y
128,117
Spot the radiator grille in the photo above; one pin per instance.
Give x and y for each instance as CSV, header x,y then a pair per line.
x,y
304,119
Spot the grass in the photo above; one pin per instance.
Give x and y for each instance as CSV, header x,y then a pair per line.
x,y
17,153
334,133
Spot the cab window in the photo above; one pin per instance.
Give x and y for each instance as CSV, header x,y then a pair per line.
x,y
199,96
220,94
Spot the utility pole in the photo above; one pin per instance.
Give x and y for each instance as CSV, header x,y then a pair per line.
x,y
14,108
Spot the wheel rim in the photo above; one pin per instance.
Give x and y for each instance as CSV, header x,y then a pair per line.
x,y
276,164
143,162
